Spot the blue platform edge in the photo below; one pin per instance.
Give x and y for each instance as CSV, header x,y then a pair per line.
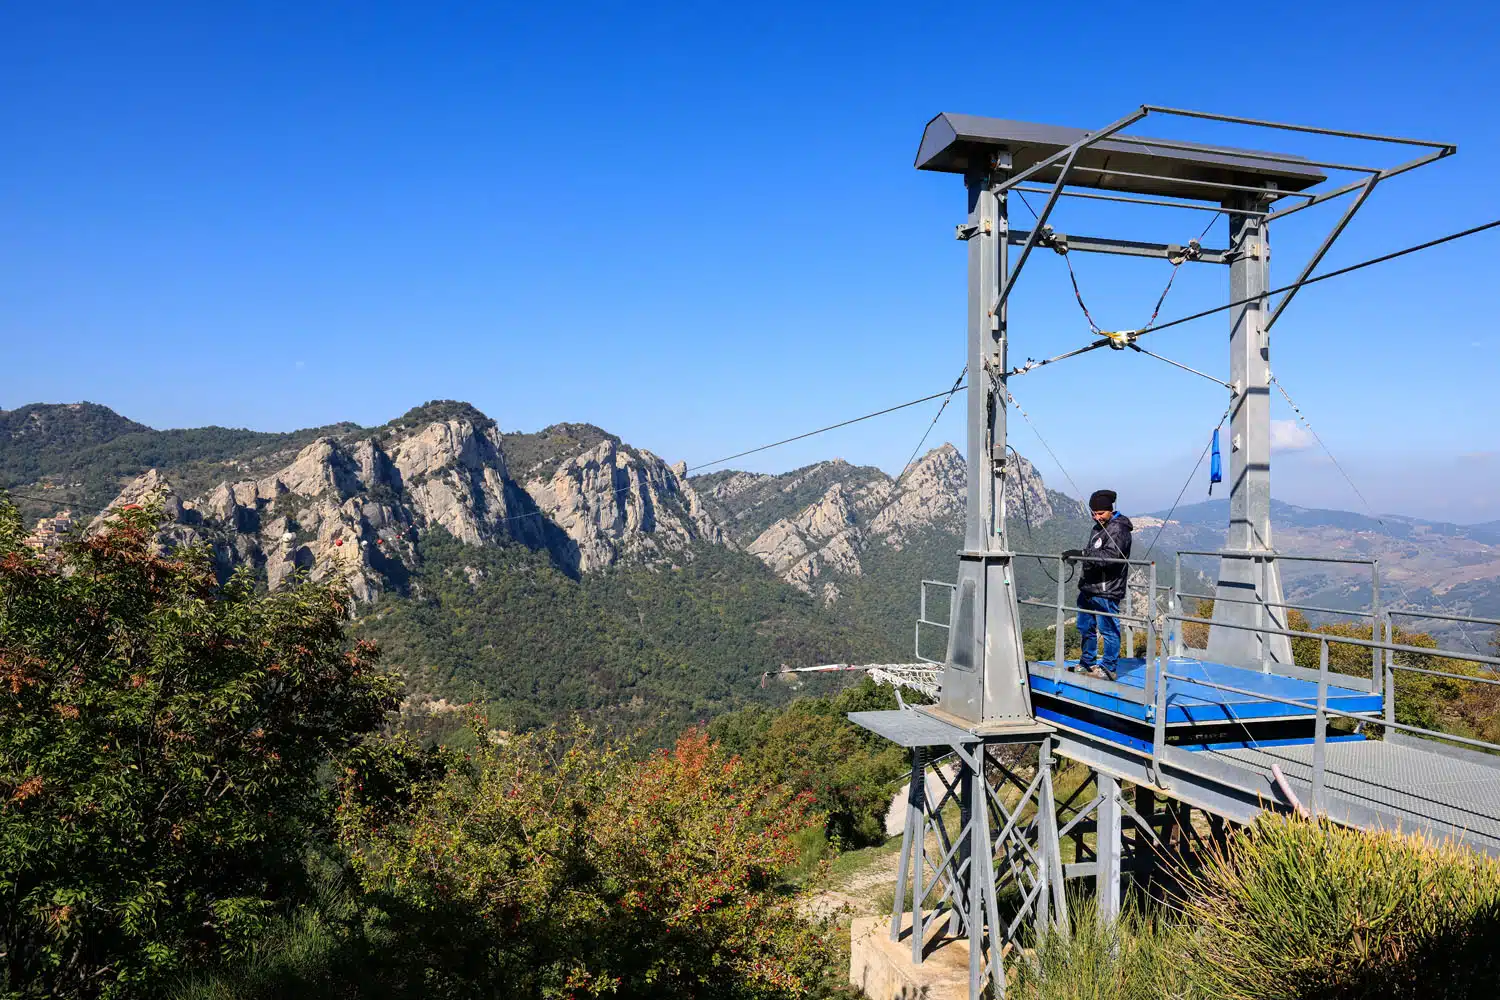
x,y
1144,746
1198,704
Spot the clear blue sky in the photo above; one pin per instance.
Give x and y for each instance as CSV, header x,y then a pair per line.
x,y
700,228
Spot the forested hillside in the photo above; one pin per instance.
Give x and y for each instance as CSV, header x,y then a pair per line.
x,y
637,647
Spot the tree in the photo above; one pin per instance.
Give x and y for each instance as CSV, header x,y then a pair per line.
x,y
160,740
550,865
811,746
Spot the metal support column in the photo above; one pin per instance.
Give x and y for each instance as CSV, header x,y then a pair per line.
x,y
984,678
911,835
1145,853
1107,843
1244,579
1054,916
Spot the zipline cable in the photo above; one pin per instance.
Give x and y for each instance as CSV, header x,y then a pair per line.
x,y
1032,424
1188,482
24,496
1369,509
1106,342
824,430
1311,430
935,418
1178,364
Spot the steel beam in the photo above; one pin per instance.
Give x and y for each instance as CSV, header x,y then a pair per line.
x,y
1289,127
1127,248
1250,574
1323,248
1216,185
984,675
1069,152
1107,839
1094,196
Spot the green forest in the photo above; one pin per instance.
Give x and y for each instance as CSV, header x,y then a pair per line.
x,y
634,647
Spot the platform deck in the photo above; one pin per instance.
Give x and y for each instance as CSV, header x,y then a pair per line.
x,y
1414,789
1190,704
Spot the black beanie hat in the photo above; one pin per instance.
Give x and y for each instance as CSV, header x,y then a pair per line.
x,y
1102,500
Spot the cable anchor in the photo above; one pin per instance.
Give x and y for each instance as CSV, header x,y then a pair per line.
x,y
1179,255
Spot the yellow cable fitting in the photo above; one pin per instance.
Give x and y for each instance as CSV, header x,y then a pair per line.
x,y
1119,339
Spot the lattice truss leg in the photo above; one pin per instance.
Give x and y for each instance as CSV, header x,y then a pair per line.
x,y
980,852
1165,837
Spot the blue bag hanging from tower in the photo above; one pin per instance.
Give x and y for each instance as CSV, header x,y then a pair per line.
x,y
1215,465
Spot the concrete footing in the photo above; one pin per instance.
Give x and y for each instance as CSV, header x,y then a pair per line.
x,y
883,969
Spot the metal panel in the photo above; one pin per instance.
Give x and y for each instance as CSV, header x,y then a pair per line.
x,y
954,143
908,728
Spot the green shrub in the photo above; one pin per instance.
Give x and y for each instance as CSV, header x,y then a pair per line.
x,y
550,866
810,746
1299,909
160,742
1131,960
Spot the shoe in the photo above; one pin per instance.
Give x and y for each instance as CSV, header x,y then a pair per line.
x,y
1102,674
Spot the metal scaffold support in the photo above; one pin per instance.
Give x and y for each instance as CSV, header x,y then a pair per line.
x,y
980,855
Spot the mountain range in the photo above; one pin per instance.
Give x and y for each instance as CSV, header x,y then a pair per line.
x,y
568,570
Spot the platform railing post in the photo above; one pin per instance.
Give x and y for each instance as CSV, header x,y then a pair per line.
x,y
1159,713
1262,613
1375,615
916,639
1320,731
1177,575
1152,679
1060,646
1174,606
1390,677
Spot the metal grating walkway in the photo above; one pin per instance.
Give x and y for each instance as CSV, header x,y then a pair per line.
x,y
1394,785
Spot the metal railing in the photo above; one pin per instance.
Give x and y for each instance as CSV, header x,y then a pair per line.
x,y
1126,616
923,620
1164,634
1321,711
1265,559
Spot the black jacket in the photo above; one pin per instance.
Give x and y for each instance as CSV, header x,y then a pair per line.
x,y
1110,539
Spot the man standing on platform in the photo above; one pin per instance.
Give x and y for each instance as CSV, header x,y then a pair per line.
x,y
1101,585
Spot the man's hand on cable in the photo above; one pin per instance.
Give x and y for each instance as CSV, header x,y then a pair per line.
x,y
1072,553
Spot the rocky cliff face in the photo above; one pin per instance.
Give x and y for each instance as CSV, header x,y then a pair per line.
x,y
826,539
355,507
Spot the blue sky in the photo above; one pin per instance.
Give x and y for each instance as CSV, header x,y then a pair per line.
x,y
699,226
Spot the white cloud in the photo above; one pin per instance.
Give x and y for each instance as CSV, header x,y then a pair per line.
x,y
1288,435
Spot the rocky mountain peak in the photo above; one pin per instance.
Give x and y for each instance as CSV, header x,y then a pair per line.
x,y
356,506
867,508
614,501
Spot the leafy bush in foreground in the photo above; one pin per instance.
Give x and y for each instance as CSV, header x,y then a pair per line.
x,y
1299,909
552,866
810,746
160,738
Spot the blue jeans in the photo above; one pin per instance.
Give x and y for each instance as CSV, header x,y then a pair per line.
x,y
1108,627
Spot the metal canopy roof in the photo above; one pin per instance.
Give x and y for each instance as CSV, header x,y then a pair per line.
x,y
950,141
